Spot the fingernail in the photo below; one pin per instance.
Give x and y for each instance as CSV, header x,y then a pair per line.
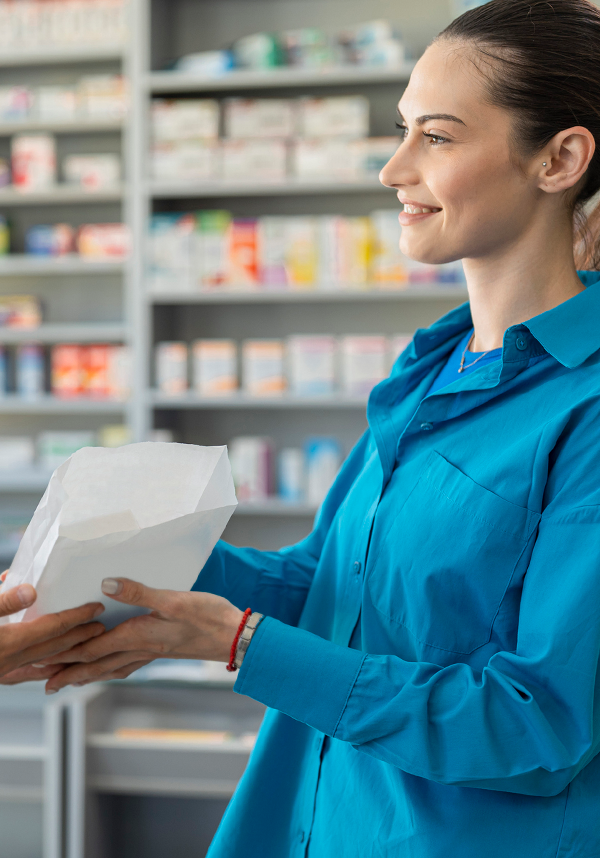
x,y
112,587
26,595
51,690
38,665
99,610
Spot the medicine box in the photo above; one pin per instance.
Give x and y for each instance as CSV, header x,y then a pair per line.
x,y
246,118
184,119
364,363
171,360
261,160
214,367
252,466
263,367
336,116
311,362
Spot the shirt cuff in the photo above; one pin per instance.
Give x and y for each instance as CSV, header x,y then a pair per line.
x,y
299,673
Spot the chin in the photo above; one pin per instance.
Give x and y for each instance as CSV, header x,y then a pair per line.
x,y
430,255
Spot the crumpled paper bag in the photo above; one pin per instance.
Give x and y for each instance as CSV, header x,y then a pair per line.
x,y
152,512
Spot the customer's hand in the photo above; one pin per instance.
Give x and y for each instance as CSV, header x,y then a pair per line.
x,y
181,625
24,644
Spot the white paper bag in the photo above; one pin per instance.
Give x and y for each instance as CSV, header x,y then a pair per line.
x,y
151,512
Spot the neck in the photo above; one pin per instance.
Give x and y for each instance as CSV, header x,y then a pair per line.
x,y
511,286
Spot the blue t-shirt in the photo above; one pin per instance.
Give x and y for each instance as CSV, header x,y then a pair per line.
x,y
449,372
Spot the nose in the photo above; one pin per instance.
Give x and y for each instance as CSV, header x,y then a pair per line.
x,y
400,170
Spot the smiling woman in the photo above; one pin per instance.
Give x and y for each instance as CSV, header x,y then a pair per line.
x,y
430,652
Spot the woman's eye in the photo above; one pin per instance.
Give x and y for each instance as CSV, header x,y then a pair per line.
x,y
436,139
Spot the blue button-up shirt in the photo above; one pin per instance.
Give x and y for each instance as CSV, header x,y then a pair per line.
x,y
464,530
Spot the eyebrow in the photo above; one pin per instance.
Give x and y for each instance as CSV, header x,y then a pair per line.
x,y
428,116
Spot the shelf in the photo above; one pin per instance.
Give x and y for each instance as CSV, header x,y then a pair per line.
x,y
310,296
25,264
274,507
69,333
149,785
243,400
48,404
58,194
23,752
24,794
75,126
109,740
62,55
183,190
174,82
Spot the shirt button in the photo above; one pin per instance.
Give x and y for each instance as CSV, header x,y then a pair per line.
x,y
521,343
426,426
357,566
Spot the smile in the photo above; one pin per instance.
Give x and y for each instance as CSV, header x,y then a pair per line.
x,y
417,210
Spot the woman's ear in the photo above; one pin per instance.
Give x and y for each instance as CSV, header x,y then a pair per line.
x,y
563,162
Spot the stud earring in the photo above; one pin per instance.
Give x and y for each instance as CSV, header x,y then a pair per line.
x,y
544,164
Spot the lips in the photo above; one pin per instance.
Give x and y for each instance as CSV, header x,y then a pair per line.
x,y
416,210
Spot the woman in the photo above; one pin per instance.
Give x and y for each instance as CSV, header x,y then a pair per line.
x,y
430,652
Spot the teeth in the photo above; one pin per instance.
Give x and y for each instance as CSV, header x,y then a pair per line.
x,y
418,209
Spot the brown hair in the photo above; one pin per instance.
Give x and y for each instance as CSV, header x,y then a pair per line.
x,y
541,61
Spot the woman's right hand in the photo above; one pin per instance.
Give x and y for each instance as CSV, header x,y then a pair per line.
x,y
23,645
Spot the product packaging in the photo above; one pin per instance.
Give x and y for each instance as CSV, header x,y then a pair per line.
x,y
307,47
327,159
4,236
259,52
214,367
210,244
102,97
292,474
373,44
364,363
196,160
397,344
54,448
388,267
206,63
335,116
254,160
243,270
323,460
66,371
119,372
311,362
29,371
114,435
5,178
246,118
20,311
170,252
55,103
15,103
252,466
16,452
50,240
150,512
272,248
301,252
95,368
354,246
92,172
33,159
171,367
3,372
103,241
173,120
263,367
375,152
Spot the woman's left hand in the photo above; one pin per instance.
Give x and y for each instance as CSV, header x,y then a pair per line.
x,y
181,625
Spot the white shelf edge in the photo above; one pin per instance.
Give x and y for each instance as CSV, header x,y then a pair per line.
x,y
309,296
48,404
190,189
58,194
56,333
23,264
173,81
62,55
25,794
161,400
126,785
110,741
57,126
23,752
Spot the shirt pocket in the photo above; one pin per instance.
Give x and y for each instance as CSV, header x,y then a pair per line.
x,y
448,558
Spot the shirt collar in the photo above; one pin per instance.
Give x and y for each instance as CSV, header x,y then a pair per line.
x,y
570,332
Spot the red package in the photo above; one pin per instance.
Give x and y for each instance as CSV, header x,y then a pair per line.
x,y
66,373
96,371
243,253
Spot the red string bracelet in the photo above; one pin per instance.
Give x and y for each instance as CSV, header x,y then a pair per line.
x,y
231,666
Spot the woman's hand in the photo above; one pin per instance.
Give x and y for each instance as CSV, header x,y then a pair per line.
x,y
24,644
181,625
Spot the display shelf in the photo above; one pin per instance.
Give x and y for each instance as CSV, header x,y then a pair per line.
x,y
62,55
74,126
156,785
71,333
176,82
190,190
22,794
58,195
26,264
311,296
243,400
23,752
48,404
109,740
275,507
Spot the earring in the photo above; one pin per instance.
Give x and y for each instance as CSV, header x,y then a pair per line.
x,y
544,164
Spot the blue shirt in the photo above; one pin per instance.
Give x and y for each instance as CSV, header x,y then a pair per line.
x,y
465,532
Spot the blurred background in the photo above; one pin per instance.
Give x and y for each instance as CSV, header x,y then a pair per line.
x,y
194,247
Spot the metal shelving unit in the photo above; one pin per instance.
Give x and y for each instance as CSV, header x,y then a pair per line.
x,y
291,187
13,404
25,265
311,296
76,126
58,195
66,55
243,400
91,332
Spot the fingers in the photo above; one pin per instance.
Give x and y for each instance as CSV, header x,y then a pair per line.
x,y
28,674
3,576
134,593
130,636
16,599
54,646
55,625
84,673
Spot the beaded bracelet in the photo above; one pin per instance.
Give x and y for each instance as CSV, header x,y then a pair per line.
x,y
231,666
